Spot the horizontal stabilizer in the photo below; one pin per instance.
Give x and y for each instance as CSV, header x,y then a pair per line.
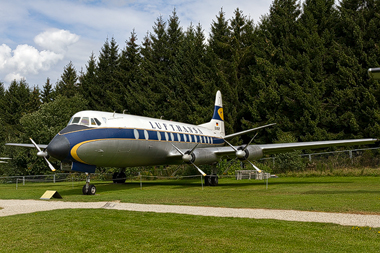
x,y
247,131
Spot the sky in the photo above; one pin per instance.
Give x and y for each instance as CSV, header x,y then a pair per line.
x,y
38,38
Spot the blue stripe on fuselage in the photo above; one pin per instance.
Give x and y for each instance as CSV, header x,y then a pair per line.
x,y
76,137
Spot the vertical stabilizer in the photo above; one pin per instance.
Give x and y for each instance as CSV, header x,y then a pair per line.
x,y
217,122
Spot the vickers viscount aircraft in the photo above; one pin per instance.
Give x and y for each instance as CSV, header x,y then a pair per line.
x,y
94,138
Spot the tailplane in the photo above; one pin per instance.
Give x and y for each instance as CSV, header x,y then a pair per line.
x,y
217,122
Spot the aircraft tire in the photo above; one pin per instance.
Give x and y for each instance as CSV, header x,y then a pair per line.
x,y
92,190
122,177
207,183
214,180
114,177
119,178
84,190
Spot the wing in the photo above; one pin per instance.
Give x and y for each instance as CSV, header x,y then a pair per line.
x,y
42,146
288,147
213,154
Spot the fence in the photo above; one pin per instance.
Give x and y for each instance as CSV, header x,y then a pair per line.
x,y
350,153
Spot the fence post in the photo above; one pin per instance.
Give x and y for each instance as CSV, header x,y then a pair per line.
x,y
54,178
309,158
352,161
23,180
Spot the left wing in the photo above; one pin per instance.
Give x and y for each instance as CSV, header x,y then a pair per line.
x,y
289,147
254,152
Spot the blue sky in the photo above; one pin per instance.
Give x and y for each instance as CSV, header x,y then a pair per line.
x,y
39,37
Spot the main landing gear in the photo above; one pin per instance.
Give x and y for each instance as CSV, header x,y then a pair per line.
x,y
211,180
119,177
88,189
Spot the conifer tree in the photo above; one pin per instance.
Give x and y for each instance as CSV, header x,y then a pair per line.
x,y
67,86
16,96
129,77
88,85
47,92
107,67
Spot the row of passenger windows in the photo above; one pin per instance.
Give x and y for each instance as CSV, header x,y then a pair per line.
x,y
165,136
86,121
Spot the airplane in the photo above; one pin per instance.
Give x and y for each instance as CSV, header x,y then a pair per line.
x,y
105,139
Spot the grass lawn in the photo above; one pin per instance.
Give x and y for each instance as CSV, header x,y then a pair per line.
x,y
331,194
102,230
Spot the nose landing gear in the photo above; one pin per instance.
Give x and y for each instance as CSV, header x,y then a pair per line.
x,y
88,189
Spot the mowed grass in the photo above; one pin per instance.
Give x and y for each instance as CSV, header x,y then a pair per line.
x,y
330,194
100,230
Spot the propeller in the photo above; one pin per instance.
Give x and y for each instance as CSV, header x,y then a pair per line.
x,y
43,154
187,158
240,153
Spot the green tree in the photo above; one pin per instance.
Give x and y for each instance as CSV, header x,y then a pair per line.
x,y
67,86
47,94
88,85
129,76
42,125
16,97
106,70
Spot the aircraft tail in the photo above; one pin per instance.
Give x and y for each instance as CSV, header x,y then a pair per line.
x,y
217,122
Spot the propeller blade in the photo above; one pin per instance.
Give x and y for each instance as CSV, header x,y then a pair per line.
x,y
200,171
50,165
40,152
35,145
230,145
249,143
179,151
194,149
258,170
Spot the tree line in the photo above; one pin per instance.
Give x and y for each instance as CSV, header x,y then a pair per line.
x,y
302,66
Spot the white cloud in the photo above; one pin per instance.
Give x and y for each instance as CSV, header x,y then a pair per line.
x,y
27,60
56,40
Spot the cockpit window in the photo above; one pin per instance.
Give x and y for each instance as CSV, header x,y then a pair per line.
x,y
93,123
75,120
85,121
97,121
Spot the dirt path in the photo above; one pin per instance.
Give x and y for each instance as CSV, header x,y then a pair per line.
x,y
13,207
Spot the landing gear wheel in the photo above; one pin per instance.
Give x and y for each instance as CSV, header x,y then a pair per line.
x,y
119,177
207,180
91,190
85,190
214,180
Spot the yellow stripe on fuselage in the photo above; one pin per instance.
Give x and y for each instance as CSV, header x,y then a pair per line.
x,y
74,150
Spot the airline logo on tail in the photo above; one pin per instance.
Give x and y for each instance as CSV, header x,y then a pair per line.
x,y
218,113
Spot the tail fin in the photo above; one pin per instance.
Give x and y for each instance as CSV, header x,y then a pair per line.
x,y
217,122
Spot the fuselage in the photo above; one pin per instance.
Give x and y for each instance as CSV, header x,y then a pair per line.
x,y
122,140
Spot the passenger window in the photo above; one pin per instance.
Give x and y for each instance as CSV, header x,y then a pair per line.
x,y
97,122
76,120
85,121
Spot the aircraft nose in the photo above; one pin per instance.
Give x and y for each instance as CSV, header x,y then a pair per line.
x,y
59,147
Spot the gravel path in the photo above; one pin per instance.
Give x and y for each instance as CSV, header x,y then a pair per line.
x,y
13,207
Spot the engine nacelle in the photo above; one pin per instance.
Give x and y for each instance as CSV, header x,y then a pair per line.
x,y
203,156
253,152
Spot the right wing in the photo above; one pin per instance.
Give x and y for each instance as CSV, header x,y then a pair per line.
x,y
42,146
